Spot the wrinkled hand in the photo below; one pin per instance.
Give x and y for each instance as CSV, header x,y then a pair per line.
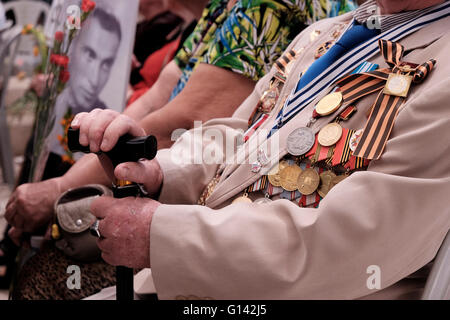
x,y
146,172
31,207
125,230
101,129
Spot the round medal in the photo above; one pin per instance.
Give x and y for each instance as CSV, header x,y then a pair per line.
x,y
338,179
308,181
354,140
329,104
300,141
330,134
326,180
274,174
263,201
243,199
289,176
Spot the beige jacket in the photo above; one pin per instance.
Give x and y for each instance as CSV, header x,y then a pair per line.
x,y
394,216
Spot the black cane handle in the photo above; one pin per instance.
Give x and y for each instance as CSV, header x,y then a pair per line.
x,y
127,149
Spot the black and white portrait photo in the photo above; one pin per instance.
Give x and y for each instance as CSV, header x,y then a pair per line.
x,y
99,64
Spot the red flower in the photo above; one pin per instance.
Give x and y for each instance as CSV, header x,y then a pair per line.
x,y
87,5
59,36
64,76
59,60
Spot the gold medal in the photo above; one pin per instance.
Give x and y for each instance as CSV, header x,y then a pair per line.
x,y
398,85
330,134
274,174
289,176
308,181
329,104
338,179
326,180
243,199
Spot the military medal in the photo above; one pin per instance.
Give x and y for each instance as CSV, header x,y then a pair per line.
x,y
398,85
242,199
264,200
323,49
338,179
268,99
326,180
262,161
289,176
330,134
329,104
300,141
354,140
274,174
308,181
256,167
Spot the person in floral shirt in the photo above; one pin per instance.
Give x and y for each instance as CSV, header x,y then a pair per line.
x,y
248,38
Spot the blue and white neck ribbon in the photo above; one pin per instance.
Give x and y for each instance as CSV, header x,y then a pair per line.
x,y
348,62
365,67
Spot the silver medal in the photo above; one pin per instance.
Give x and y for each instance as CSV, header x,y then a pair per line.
x,y
300,141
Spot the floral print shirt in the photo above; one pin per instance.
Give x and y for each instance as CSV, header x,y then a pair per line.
x,y
250,37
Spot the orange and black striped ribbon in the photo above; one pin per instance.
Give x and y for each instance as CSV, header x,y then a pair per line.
x,y
285,59
386,107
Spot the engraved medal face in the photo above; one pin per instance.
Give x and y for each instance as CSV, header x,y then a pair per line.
x,y
274,174
300,141
326,183
308,181
398,85
289,176
329,104
330,134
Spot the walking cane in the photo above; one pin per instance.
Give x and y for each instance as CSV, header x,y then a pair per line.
x,y
127,149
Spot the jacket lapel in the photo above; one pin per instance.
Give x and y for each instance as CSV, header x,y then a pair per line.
x,y
237,177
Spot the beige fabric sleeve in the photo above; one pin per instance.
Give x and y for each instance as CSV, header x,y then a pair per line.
x,y
393,216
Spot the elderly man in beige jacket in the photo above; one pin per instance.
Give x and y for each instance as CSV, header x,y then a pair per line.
x,y
371,236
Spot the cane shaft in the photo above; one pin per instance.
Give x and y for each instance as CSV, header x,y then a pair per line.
x,y
124,284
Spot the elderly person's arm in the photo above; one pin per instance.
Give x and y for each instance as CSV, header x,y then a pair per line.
x,y
211,92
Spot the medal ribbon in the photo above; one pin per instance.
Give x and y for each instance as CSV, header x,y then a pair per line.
x,y
257,118
299,100
386,107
